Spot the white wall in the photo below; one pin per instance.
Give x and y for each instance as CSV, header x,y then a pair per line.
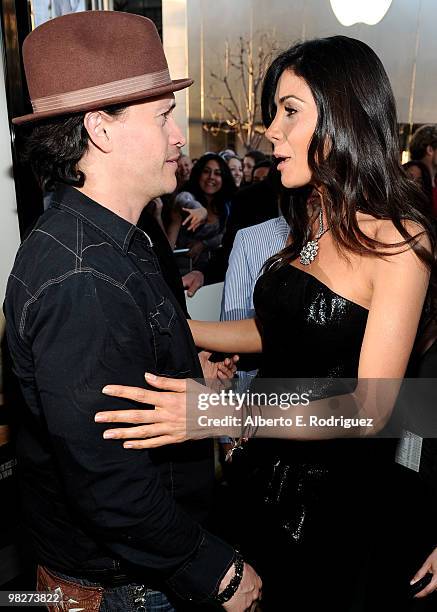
x,y
10,238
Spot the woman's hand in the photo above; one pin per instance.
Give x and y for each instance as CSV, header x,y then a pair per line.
x,y
223,370
166,424
195,218
430,566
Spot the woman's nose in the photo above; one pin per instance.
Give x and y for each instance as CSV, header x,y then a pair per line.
x,y
272,132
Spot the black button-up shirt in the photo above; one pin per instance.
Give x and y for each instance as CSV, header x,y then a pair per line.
x,y
86,305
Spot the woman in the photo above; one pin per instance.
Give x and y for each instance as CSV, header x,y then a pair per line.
x,y
339,306
250,160
236,167
211,186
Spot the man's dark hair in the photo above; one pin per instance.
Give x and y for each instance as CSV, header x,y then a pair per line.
x,y
263,164
422,138
257,156
55,146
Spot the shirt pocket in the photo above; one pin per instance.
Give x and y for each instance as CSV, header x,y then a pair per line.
x,y
162,321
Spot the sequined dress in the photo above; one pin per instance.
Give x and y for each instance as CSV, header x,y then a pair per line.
x,y
323,516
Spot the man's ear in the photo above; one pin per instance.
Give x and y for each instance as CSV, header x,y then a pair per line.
x,y
97,126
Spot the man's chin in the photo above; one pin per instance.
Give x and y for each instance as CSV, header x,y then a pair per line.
x,y
169,186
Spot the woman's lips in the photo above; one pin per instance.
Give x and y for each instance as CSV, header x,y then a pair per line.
x,y
281,164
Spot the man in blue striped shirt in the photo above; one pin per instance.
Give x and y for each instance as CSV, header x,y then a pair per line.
x,y
252,248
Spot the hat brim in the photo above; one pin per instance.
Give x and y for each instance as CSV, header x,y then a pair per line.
x,y
176,85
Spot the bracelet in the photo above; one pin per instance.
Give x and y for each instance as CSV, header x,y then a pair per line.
x,y
249,431
234,583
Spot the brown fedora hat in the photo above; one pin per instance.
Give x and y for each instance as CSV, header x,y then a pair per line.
x,y
88,60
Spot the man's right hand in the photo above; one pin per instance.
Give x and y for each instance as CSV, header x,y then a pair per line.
x,y
193,281
247,593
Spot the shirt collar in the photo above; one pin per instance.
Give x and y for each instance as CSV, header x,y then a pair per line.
x,y
282,228
117,230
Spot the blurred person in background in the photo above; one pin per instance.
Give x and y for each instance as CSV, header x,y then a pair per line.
x,y
226,153
250,159
261,171
419,173
254,204
210,187
183,172
236,167
423,148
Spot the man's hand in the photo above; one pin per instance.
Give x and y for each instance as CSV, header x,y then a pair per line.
x,y
248,591
195,218
430,566
196,250
223,370
193,281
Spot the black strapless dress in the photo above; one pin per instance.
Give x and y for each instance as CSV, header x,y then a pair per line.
x,y
326,519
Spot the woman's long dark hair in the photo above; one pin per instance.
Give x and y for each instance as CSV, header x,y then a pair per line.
x,y
354,152
224,195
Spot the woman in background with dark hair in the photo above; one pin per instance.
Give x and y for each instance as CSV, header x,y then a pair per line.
x,y
328,526
250,159
211,186
419,173
235,165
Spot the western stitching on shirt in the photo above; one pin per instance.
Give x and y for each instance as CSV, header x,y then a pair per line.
x,y
57,281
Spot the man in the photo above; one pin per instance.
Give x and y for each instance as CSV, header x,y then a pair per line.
x,y
87,303
423,148
250,160
252,248
185,165
254,204
261,171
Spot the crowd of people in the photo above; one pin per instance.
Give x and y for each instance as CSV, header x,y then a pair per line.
x,y
220,193
210,204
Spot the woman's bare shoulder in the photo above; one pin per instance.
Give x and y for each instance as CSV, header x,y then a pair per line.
x,y
385,231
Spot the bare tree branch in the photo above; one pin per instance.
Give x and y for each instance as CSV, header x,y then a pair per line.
x,y
241,78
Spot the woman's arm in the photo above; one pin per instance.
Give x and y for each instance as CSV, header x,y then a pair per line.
x,y
195,218
227,336
399,285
